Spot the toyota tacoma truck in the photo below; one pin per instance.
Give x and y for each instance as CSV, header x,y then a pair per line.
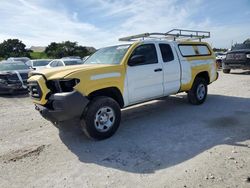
x,y
237,58
123,75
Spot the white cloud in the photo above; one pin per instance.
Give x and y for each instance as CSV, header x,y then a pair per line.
x,y
75,16
225,35
39,26
35,24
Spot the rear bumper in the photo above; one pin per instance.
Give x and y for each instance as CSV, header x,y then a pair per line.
x,y
63,106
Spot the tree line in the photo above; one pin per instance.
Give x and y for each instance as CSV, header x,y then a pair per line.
x,y
16,48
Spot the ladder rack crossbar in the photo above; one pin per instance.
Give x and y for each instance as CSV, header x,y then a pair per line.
x,y
174,34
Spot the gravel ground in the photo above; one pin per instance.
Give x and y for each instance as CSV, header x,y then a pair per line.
x,y
162,143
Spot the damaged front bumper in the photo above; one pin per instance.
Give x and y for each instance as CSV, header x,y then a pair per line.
x,y
12,88
63,106
245,65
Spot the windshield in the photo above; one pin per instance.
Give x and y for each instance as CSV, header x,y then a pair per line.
x,y
73,62
109,55
241,46
13,66
21,59
39,63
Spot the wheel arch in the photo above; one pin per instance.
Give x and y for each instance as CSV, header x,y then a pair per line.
x,y
112,92
204,75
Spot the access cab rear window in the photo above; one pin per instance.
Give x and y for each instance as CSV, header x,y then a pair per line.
x,y
191,50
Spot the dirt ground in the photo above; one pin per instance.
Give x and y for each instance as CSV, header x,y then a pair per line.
x,y
162,143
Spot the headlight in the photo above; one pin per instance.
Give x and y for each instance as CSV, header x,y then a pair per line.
x,y
248,55
68,85
2,81
59,86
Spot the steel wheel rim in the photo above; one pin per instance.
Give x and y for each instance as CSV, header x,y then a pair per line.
x,y
201,91
104,119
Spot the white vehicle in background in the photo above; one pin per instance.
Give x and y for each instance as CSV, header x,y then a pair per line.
x,y
220,56
85,58
23,59
38,64
64,62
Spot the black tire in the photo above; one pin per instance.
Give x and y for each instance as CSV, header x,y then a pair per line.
x,y
226,71
193,94
90,125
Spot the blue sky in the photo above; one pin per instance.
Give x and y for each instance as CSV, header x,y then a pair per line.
x,y
100,23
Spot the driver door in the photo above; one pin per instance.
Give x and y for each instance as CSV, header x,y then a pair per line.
x,y
145,80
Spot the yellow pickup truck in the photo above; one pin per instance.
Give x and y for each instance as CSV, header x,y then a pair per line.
x,y
119,76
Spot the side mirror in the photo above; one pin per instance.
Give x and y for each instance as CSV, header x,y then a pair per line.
x,y
30,67
136,60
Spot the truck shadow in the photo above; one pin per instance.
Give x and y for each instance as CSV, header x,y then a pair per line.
x,y
164,133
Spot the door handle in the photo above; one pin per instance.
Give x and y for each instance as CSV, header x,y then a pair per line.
x,y
158,70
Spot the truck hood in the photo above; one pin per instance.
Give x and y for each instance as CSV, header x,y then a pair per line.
x,y
61,72
239,51
14,71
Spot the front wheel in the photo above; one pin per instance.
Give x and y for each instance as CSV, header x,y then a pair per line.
x,y
102,118
198,93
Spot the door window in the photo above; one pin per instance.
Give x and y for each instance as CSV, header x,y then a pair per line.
x,y
166,52
53,64
149,53
59,64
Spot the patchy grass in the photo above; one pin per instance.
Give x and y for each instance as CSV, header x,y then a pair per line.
x,y
38,55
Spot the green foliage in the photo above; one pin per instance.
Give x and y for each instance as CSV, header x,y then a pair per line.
x,y
67,48
220,49
13,48
38,55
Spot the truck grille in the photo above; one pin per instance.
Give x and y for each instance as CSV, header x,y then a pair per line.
x,y
236,56
24,76
12,77
35,90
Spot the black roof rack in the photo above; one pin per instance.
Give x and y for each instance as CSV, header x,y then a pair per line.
x,y
174,34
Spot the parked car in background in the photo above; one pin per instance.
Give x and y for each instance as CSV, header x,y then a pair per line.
x,y
85,58
72,57
13,77
4,61
64,62
38,64
237,58
22,59
220,56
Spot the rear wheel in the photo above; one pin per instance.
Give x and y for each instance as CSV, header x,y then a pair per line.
x,y
102,118
226,71
198,93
